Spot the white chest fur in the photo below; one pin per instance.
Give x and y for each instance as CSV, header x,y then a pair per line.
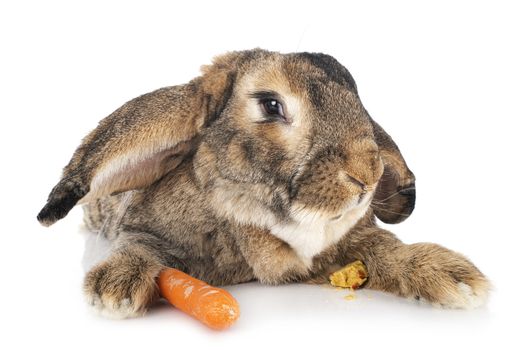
x,y
310,233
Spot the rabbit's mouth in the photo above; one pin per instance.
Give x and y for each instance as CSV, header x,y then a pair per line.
x,y
334,208
361,201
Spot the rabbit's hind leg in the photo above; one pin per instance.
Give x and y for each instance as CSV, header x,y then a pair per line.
x,y
104,215
124,285
94,215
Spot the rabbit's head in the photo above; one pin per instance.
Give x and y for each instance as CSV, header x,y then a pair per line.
x,y
286,127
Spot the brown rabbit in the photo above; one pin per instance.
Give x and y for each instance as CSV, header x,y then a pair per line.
x,y
267,167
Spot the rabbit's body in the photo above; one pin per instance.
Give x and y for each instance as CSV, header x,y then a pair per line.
x,y
190,236
175,214
266,168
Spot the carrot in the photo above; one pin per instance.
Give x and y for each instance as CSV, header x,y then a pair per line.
x,y
214,307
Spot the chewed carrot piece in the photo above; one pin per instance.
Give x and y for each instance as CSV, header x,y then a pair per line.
x,y
214,307
351,276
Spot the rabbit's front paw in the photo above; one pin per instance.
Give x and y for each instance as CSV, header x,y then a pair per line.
x,y
444,278
121,287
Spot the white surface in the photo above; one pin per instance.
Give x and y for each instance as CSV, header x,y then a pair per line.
x,y
446,81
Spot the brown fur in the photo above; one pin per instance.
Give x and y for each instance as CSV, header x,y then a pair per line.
x,y
195,177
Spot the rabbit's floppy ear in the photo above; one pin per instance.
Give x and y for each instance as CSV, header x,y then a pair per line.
x,y
395,195
142,140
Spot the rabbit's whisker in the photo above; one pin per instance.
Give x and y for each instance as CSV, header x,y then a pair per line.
x,y
392,195
392,212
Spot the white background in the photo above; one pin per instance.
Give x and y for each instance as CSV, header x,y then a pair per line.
x,y
445,80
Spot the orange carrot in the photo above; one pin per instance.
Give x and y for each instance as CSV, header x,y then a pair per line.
x,y
214,307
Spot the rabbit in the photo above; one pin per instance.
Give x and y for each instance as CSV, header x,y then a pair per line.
x,y
266,167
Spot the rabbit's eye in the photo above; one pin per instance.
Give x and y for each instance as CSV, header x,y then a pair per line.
x,y
273,107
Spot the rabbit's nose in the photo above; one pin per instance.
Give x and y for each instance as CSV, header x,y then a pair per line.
x,y
360,186
362,169
363,188
349,178
355,182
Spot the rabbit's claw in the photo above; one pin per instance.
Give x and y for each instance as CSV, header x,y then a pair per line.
x,y
444,278
118,289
